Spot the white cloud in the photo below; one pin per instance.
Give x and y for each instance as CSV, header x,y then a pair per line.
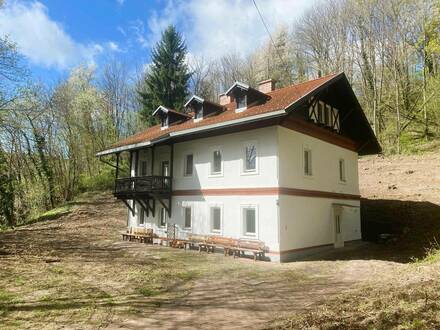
x,y
120,2
42,40
214,28
113,46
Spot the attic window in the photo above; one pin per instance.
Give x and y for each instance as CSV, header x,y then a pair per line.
x,y
164,120
198,109
241,101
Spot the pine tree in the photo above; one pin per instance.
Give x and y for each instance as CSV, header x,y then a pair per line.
x,y
166,83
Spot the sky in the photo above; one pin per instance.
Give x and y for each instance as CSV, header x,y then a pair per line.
x,y
54,36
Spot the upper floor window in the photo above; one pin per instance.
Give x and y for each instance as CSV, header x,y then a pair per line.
x,y
241,101
144,167
342,170
188,166
188,216
307,159
216,164
250,163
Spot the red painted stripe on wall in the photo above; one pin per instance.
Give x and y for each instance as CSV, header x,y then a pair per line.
x,y
266,191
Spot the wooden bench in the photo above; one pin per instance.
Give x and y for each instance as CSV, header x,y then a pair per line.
x,y
143,235
199,240
225,243
257,248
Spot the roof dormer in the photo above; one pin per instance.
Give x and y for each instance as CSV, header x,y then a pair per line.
x,y
245,96
202,108
169,117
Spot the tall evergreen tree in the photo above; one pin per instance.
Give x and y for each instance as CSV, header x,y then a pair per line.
x,y
166,83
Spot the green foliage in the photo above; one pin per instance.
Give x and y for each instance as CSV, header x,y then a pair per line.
x,y
104,180
167,81
6,192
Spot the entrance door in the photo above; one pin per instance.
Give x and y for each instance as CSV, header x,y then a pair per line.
x,y
339,239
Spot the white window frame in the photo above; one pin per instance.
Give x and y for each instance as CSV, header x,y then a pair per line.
x,y
211,219
310,162
342,171
184,217
237,110
185,165
244,233
164,211
211,162
141,215
245,171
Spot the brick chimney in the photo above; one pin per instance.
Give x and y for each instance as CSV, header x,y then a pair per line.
x,y
224,99
266,86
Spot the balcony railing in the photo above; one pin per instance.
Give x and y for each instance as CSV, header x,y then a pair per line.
x,y
143,185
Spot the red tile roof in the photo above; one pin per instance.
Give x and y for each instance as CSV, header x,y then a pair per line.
x,y
279,100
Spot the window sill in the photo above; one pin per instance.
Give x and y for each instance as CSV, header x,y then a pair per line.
x,y
343,182
250,237
215,175
255,172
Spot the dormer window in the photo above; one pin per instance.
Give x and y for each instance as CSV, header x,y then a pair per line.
x,y
245,96
169,117
241,102
202,108
164,121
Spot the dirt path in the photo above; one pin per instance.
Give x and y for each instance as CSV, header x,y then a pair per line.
x,y
75,272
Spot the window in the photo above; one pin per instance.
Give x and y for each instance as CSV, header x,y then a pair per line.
x,y
163,216
198,112
141,216
164,122
187,211
338,224
307,162
250,221
216,165
342,170
241,101
188,166
250,163
216,219
144,167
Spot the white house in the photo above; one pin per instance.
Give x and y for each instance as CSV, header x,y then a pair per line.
x,y
275,165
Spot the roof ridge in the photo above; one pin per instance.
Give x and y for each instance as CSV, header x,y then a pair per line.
x,y
305,82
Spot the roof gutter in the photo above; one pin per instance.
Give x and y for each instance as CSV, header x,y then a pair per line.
x,y
234,122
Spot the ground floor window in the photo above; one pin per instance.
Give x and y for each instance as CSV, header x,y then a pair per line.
x,y
163,216
338,224
216,219
141,216
188,216
250,221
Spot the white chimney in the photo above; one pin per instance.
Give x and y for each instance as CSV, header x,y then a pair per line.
x,y
224,99
266,86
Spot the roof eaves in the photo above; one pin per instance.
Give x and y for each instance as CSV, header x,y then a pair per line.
x,y
162,108
194,97
237,84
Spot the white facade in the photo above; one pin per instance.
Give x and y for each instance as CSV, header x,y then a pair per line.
x,y
287,211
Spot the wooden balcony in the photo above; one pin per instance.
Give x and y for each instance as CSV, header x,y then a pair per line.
x,y
142,186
